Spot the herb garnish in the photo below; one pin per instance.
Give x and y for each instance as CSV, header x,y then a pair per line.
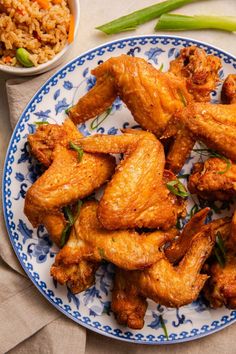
x,y
101,252
70,220
212,153
78,149
67,110
41,123
182,97
219,250
163,327
177,188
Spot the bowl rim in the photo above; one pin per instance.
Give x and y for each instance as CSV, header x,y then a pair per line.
x,y
50,63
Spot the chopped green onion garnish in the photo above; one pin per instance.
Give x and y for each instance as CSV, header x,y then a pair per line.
x,y
68,214
99,119
177,188
182,98
185,175
219,250
161,67
194,210
101,252
134,19
177,22
78,149
40,123
211,153
65,234
70,220
164,327
67,110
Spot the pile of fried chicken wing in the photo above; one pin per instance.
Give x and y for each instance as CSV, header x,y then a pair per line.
x,y
133,225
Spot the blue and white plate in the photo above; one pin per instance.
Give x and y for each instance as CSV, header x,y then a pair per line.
x,y
33,247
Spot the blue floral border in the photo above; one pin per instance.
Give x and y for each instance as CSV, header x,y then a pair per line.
x,y
11,227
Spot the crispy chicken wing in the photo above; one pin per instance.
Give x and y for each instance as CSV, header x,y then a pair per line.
x,y
46,137
78,276
220,289
127,304
65,181
125,248
151,96
199,69
165,284
137,195
228,93
212,180
214,124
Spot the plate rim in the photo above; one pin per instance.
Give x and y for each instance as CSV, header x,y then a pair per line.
x,y
8,227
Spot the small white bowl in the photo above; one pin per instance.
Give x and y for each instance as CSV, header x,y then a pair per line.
x,y
58,58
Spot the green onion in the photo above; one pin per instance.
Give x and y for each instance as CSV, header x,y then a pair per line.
x,y
211,153
134,19
68,214
177,188
163,327
65,234
23,57
99,119
161,67
40,123
177,22
70,220
219,250
185,175
67,110
101,252
195,209
78,149
182,98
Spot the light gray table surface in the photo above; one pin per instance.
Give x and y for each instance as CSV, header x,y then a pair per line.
x,y
93,13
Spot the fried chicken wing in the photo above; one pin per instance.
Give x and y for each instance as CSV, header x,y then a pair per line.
x,y
78,277
47,136
179,247
65,181
213,180
137,195
220,289
168,285
125,248
151,96
199,69
214,124
228,93
127,304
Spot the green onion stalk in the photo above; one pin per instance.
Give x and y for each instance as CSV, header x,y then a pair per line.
x,y
175,22
134,19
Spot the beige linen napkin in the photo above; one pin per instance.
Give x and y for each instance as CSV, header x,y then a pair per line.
x,y
28,322
30,313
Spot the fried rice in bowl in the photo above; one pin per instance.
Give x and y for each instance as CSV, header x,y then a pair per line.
x,y
35,35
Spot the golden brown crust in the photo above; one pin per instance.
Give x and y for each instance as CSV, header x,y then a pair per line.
x,y
46,137
137,195
220,289
45,198
214,124
78,277
199,69
228,93
209,181
125,248
151,96
127,304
